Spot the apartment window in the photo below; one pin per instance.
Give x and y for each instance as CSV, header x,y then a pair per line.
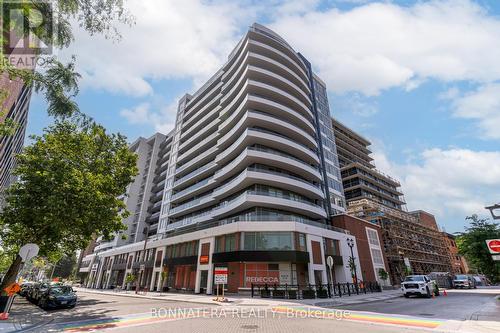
x,y
300,244
331,247
377,257
372,237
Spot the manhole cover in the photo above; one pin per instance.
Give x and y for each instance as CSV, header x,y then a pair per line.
x,y
250,327
426,314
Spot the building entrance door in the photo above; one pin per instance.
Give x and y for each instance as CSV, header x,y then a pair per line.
x,y
318,277
203,281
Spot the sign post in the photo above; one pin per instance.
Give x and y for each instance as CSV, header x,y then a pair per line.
x,y
28,251
220,277
329,262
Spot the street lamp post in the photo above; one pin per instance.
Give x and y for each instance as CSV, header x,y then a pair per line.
x,y
494,211
350,243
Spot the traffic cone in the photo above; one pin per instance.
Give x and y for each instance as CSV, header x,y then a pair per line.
x,y
445,293
4,316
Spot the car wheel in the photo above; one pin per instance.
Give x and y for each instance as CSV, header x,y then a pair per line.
x,y
428,295
407,296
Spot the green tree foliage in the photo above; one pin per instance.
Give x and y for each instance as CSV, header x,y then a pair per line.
x,y
471,244
69,182
382,274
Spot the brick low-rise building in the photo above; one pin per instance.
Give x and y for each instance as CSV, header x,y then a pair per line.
x,y
370,246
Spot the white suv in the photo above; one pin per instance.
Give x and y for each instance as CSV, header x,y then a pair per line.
x,y
420,285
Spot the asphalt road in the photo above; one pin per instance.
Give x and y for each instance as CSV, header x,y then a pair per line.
x,y
467,304
103,313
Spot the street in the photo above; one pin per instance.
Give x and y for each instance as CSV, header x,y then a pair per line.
x,y
467,304
100,312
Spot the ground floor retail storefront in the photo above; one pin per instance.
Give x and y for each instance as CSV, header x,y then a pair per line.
x,y
281,254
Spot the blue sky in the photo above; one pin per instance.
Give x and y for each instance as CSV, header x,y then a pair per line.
x,y
421,80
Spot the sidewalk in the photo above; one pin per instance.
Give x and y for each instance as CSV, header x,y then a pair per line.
x,y
249,301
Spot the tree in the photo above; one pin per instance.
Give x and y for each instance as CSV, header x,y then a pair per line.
x,y
69,182
129,279
383,275
56,81
471,244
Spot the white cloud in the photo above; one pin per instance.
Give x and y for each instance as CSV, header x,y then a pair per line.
x,y
171,39
138,115
162,120
381,45
483,106
450,183
369,48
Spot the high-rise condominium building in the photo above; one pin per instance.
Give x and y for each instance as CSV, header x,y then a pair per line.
x,y
359,177
411,239
250,178
14,106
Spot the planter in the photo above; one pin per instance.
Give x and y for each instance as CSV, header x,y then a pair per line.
x,y
292,294
265,293
278,294
322,293
308,294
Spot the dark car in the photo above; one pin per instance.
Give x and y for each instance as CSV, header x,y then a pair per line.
x,y
58,297
25,288
36,290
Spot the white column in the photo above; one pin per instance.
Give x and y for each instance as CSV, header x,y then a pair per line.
x,y
316,267
100,272
208,267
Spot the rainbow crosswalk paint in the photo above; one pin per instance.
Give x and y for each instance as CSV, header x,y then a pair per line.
x,y
362,316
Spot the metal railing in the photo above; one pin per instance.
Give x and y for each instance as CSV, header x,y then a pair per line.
x,y
311,291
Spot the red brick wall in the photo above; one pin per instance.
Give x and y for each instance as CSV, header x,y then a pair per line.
x,y
357,228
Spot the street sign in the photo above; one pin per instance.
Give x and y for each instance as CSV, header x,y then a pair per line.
x,y
493,245
220,275
28,251
329,261
12,289
496,257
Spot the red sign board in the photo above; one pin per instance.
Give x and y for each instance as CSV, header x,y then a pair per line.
x,y
493,246
204,259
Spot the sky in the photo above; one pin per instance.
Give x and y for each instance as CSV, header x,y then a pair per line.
x,y
419,79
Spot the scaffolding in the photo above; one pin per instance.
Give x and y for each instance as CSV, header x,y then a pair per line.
x,y
406,240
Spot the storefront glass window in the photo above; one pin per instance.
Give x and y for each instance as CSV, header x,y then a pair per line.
x,y
262,241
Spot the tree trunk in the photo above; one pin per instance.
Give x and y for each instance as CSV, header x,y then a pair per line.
x,y
11,275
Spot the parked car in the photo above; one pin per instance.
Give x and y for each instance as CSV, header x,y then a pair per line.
x,y
25,288
419,285
464,281
58,296
36,290
481,280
